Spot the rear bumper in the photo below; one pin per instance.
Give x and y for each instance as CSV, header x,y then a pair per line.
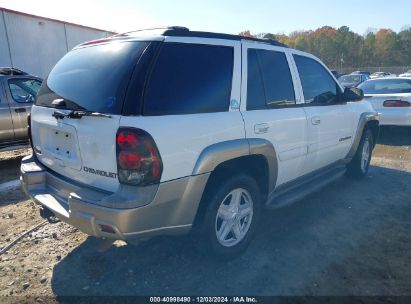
x,y
166,209
395,117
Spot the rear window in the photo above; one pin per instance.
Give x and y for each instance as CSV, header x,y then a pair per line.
x,y
386,86
189,79
350,78
92,78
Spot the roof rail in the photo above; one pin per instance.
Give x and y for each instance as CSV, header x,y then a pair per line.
x,y
185,32
11,71
165,28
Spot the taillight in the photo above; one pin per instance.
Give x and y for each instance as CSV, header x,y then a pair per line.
x,y
138,160
397,103
29,129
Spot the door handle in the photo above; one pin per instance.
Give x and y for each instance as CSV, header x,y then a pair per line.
x,y
19,110
261,128
315,120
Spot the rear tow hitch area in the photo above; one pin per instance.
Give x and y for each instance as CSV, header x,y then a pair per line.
x,y
48,215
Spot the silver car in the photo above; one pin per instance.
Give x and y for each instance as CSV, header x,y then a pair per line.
x,y
17,94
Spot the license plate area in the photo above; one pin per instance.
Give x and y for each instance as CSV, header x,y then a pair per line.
x,y
59,146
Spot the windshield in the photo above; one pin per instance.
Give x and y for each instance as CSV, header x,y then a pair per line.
x,y
92,78
350,78
386,86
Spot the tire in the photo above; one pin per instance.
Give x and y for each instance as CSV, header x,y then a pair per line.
x,y
358,167
227,230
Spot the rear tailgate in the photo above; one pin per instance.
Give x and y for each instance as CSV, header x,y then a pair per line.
x,y
80,149
91,79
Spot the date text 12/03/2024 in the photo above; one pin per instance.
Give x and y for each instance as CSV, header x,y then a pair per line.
x,y
203,300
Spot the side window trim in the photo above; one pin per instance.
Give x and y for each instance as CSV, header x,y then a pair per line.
x,y
298,90
235,96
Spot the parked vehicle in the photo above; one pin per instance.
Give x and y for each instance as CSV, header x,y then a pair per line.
x,y
189,130
362,72
391,98
381,75
406,74
352,80
17,94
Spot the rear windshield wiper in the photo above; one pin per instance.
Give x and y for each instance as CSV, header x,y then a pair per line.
x,y
76,114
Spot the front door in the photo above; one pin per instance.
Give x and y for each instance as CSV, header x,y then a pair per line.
x,y
22,93
6,124
330,124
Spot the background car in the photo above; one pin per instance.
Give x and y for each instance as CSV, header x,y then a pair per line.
x,y
17,94
381,75
352,80
361,72
391,98
406,74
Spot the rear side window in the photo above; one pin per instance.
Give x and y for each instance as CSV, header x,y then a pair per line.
x,y
189,79
269,82
318,85
386,86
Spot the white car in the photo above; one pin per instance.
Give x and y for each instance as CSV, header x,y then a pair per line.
x,y
406,74
381,75
391,98
157,132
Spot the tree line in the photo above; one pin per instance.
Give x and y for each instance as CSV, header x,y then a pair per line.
x,y
334,46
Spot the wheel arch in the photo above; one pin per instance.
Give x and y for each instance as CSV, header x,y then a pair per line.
x,y
367,119
255,157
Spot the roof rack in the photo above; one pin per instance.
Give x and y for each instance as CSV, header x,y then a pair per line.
x,y
185,32
11,71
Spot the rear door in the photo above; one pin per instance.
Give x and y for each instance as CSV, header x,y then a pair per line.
x,y
21,94
271,106
6,124
330,124
89,78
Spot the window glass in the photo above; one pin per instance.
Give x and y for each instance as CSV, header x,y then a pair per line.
x,y
189,79
269,82
92,78
24,90
386,86
318,85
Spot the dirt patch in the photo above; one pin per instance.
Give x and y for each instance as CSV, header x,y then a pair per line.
x,y
351,238
10,164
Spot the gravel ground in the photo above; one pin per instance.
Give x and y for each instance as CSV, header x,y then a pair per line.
x,y
352,238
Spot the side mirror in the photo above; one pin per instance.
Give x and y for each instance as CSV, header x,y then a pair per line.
x,y
352,94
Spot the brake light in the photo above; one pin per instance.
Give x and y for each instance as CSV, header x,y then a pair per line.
x,y
397,103
138,160
129,160
127,140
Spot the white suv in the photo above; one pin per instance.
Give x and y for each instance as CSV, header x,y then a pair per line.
x,y
159,131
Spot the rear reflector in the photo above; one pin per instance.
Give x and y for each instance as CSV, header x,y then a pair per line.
x,y
396,103
107,229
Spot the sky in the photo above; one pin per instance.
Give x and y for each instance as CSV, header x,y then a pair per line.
x,y
227,16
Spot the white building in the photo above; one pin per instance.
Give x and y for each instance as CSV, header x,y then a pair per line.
x,y
34,44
